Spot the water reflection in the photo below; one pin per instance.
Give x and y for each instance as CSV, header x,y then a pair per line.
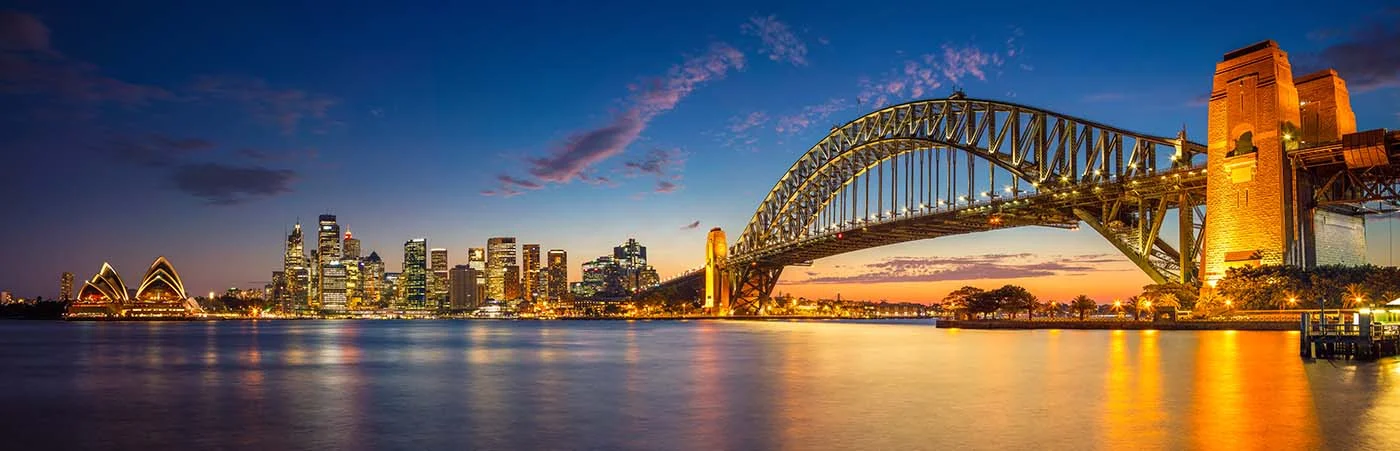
x,y
673,385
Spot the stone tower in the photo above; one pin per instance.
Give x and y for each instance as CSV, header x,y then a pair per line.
x,y
1258,212
716,281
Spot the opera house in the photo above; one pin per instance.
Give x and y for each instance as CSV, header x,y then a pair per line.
x,y
161,295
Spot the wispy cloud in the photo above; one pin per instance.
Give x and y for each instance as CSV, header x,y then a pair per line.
x,y
921,76
665,187
779,42
30,66
1105,97
285,108
1368,58
691,226
657,162
799,121
970,267
649,98
156,150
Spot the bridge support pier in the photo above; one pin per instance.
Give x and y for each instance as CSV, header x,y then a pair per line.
x,y
753,287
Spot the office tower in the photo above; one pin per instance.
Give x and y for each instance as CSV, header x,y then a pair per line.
x,y
415,274
295,272
373,280
392,292
313,288
530,270
463,292
354,284
476,258
328,253
630,254
65,286
500,254
511,291
277,290
352,247
557,273
333,287
438,265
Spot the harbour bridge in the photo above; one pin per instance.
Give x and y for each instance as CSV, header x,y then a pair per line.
x,y
1284,177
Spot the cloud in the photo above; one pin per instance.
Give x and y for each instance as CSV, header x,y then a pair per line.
x,y
30,67
1202,99
779,42
23,32
811,113
740,124
969,267
649,98
919,77
691,226
519,183
1103,97
220,184
1368,59
156,150
663,186
739,133
657,162
285,108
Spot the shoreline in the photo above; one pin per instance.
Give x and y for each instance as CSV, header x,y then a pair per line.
x,y
1119,325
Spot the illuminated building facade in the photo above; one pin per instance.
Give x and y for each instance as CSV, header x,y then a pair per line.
x,y
512,282
716,284
161,295
65,286
1258,112
296,275
351,247
328,253
463,290
354,284
414,279
500,255
373,279
557,275
437,259
530,270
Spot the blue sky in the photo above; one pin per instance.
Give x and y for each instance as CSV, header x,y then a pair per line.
x,y
201,133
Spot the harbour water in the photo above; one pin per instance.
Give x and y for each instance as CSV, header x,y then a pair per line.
x,y
676,385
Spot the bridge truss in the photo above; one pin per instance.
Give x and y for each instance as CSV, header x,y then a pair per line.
x,y
943,167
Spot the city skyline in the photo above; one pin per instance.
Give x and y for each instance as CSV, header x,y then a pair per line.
x,y
664,182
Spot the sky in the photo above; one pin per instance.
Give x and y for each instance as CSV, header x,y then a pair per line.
x,y
131,130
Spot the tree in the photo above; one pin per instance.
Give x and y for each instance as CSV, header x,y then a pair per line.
x,y
1083,304
984,302
1015,298
960,299
1354,296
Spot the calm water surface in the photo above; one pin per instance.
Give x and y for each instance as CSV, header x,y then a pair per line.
x,y
673,385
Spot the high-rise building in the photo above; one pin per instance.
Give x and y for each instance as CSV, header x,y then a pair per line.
x,y
296,275
354,284
530,270
463,291
557,273
618,275
333,278
65,286
313,287
630,254
512,290
500,254
392,292
476,258
352,246
277,289
329,253
415,274
373,278
437,259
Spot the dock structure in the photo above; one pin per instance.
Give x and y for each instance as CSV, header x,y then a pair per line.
x,y
1358,336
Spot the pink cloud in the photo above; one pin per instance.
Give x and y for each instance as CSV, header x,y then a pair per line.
x,y
286,108
779,42
921,77
811,113
29,66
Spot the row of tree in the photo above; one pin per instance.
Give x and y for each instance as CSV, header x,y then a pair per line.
x,y
1336,286
973,302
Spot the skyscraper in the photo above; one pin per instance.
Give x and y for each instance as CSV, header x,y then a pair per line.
x,y
352,247
463,291
558,275
530,270
476,259
511,291
328,254
296,275
500,254
65,286
354,284
373,280
414,278
333,297
438,265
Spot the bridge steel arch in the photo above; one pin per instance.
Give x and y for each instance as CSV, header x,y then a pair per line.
x,y
1055,170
